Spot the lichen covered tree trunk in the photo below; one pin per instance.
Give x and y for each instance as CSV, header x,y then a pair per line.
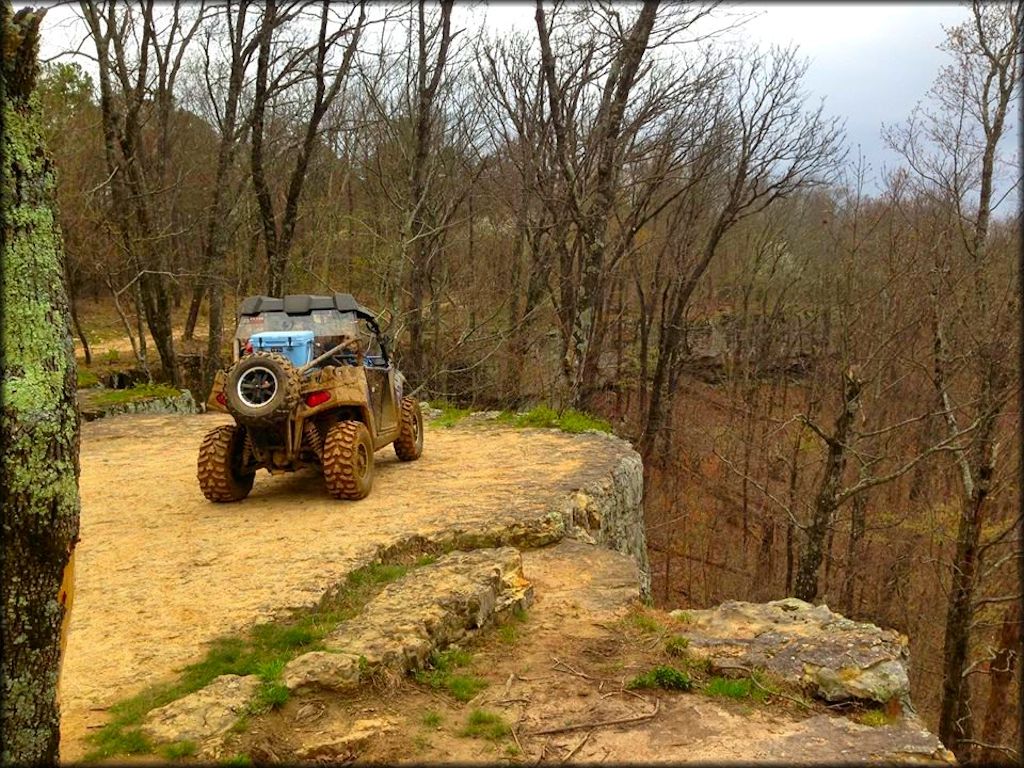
x,y
38,419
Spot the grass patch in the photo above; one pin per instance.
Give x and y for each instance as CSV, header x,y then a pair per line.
x,y
431,719
508,633
450,414
179,750
86,378
441,674
543,417
677,646
733,688
119,741
271,696
644,623
876,718
138,392
683,617
263,651
760,687
237,760
486,725
665,677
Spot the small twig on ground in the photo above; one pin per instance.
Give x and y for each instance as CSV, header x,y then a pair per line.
x,y
601,723
515,735
569,668
577,748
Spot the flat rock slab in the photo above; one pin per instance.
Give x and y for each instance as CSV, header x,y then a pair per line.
x,y
207,713
429,609
839,659
172,571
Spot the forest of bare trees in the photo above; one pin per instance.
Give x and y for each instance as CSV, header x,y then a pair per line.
x,y
618,211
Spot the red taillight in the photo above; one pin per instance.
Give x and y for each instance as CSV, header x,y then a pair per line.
x,y
248,347
222,398
313,399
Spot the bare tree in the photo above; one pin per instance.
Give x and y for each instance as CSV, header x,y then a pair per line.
x,y
314,65
129,92
952,152
759,146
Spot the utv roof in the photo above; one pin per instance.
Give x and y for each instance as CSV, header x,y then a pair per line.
x,y
303,304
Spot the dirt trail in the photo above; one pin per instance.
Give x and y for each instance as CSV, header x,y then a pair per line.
x,y
161,571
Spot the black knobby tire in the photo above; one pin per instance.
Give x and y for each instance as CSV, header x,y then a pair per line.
x,y
348,460
409,445
262,389
219,468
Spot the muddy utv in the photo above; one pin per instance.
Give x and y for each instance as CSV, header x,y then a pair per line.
x,y
311,385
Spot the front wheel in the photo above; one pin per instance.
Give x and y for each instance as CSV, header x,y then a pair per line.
x,y
409,445
348,460
221,472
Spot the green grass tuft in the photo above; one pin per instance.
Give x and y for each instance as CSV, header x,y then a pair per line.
x,y
431,719
237,760
666,677
677,645
740,688
544,417
486,725
450,414
179,750
441,674
272,696
122,741
644,623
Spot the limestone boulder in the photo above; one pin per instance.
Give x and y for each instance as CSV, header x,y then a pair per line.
x,y
205,714
329,746
431,608
837,658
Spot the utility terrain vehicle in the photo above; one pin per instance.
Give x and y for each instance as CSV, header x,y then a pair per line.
x,y
311,384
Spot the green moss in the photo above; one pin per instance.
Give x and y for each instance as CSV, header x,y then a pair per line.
x,y
666,677
86,378
876,718
263,651
131,394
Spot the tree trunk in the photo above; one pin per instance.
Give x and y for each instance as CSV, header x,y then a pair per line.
x,y
39,425
1001,671
825,504
954,715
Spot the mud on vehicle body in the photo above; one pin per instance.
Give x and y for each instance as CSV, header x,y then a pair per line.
x,y
311,385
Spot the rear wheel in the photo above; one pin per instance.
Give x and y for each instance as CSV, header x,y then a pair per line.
x,y
222,475
348,460
409,445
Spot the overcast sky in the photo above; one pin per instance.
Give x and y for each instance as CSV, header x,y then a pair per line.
x,y
871,62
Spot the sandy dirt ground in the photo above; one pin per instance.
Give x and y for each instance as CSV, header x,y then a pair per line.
x,y
161,571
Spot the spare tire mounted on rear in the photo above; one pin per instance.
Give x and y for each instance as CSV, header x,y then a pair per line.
x,y
262,388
